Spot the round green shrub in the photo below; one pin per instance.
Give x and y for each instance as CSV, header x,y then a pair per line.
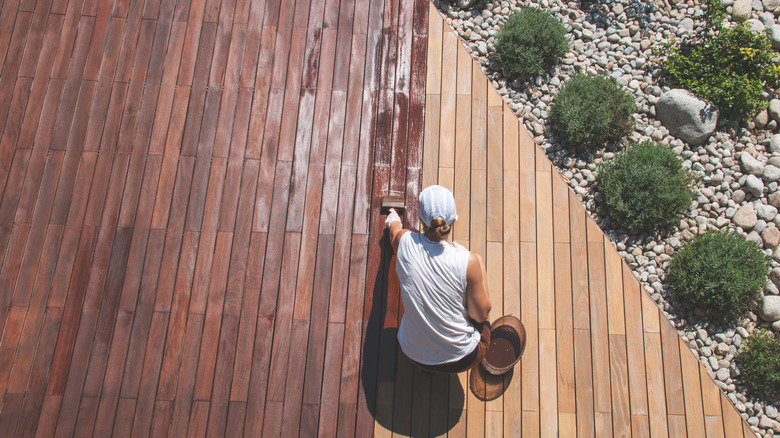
x,y
759,363
728,69
590,110
529,43
720,272
645,187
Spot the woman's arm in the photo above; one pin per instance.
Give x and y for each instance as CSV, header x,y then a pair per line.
x,y
477,298
395,229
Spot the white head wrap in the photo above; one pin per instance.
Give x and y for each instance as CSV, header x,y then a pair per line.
x,y
437,202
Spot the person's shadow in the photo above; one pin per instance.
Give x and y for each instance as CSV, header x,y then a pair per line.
x,y
401,397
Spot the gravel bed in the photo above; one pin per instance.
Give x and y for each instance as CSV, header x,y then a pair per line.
x,y
737,169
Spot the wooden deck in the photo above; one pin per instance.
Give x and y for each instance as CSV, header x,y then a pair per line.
x,y
190,241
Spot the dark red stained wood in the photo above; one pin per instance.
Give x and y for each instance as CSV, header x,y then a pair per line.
x,y
35,241
12,407
13,125
124,418
34,395
198,96
70,401
161,418
71,315
293,395
150,374
186,376
33,324
178,320
330,381
282,344
235,420
47,419
258,382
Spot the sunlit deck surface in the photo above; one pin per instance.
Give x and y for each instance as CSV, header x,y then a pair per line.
x,y
190,238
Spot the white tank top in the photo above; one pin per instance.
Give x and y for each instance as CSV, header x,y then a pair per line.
x,y
435,327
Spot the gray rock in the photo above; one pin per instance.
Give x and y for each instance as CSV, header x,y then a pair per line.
x,y
774,144
774,37
762,118
745,217
774,109
750,165
753,236
765,212
766,423
776,326
722,374
754,185
771,237
774,199
771,173
771,5
686,116
741,10
770,308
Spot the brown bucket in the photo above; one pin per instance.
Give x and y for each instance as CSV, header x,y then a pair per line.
x,y
507,342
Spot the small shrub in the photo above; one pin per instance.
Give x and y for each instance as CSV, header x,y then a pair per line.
x,y
529,43
720,272
645,187
759,363
726,66
590,110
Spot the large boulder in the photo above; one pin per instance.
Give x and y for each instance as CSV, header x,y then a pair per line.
x,y
686,116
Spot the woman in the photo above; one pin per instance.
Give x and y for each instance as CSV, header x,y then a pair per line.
x,y
445,324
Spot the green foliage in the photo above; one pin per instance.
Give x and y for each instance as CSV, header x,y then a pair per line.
x,y
529,43
645,187
590,110
728,69
720,272
759,363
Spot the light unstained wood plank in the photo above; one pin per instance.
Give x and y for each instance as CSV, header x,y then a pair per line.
x,y
640,425
511,140
464,82
583,370
604,424
694,411
462,167
431,137
548,383
479,116
528,312
713,426
545,258
448,99
494,267
560,200
710,395
656,392
511,244
673,375
494,173
598,319
732,422
635,347
567,424
528,183
614,275
531,424
478,213
564,330
677,426
650,314
621,410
